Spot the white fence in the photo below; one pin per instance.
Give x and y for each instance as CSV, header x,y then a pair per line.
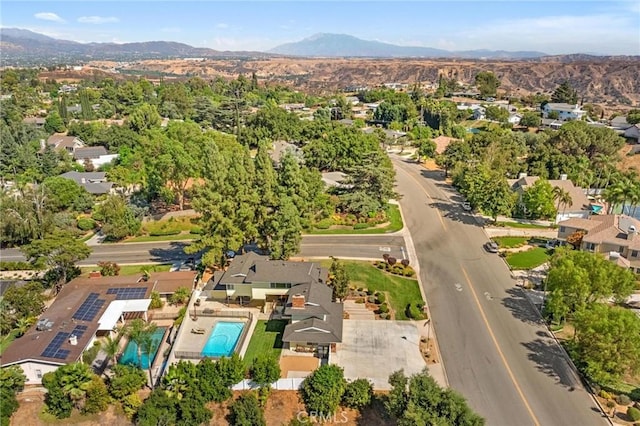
x,y
281,384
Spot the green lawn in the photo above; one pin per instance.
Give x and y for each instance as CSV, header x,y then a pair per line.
x,y
510,242
148,238
522,225
401,291
267,337
132,269
528,259
395,224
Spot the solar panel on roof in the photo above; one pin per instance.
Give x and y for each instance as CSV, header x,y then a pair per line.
x,y
89,308
53,348
128,293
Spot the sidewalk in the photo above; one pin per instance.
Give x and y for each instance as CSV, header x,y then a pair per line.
x,y
520,232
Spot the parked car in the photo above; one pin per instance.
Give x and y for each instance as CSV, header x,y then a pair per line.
x,y
491,247
466,207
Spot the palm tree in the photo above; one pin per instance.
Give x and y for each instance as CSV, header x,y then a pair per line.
x,y
75,381
111,347
615,194
138,331
562,197
23,324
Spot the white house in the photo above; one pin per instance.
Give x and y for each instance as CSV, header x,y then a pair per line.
x,y
565,111
514,119
96,155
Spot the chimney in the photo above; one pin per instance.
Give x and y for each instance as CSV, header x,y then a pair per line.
x,y
563,176
522,175
95,274
297,301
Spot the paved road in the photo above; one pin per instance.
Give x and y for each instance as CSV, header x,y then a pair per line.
x,y
495,351
341,246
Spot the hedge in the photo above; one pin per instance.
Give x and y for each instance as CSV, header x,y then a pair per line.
x,y
413,312
323,224
164,232
364,225
86,224
633,413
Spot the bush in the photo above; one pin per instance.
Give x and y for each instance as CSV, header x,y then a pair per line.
x,y
164,232
324,223
15,266
357,394
635,394
130,405
109,269
384,315
322,391
413,312
405,262
361,226
623,399
383,309
85,223
246,411
156,301
369,292
196,230
371,299
633,413
381,298
604,394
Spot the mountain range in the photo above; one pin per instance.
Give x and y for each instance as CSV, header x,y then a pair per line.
x,y
343,45
20,45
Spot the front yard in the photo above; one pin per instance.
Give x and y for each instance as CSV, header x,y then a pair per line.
x,y
267,337
401,291
528,259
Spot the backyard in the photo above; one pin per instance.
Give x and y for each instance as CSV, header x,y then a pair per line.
x,y
267,337
401,291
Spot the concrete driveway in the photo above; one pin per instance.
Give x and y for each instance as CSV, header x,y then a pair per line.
x,y
375,349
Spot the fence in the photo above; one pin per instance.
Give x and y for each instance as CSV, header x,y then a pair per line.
x,y
162,315
281,384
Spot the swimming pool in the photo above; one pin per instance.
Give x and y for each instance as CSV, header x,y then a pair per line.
x,y
223,339
130,354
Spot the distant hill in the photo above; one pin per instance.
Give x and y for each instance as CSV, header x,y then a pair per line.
x,y
19,45
342,45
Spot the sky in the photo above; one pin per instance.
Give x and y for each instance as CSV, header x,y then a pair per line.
x,y
552,27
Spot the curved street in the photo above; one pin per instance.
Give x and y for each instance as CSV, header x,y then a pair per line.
x,y
495,350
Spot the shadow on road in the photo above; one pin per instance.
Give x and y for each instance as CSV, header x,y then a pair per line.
x,y
453,212
550,359
173,252
520,307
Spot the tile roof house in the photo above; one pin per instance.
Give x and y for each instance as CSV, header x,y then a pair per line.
x,y
580,205
68,143
613,235
86,308
94,182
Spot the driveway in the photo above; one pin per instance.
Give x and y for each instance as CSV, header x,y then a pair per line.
x,y
375,349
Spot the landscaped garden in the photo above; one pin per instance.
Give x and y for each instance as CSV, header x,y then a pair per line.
x,y
267,337
528,259
391,221
174,228
510,242
400,291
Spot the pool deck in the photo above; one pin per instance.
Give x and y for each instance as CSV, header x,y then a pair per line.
x,y
187,341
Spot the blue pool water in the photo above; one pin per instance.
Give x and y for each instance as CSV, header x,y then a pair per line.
x,y
130,354
223,339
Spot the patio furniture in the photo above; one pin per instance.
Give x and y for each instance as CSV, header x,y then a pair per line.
x,y
198,330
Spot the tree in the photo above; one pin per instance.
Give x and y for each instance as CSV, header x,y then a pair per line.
x,y
20,304
191,411
420,400
487,189
180,296
125,381
530,119
494,112
111,347
54,123
608,342
141,332
427,149
157,410
358,394
339,279
285,230
322,391
97,396
565,93
67,388
487,83
537,200
118,219
633,116
577,279
59,252
265,369
456,152
246,411
109,269
562,197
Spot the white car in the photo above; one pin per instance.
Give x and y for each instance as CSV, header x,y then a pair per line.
x,y
466,206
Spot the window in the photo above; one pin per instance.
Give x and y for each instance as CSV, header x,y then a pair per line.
x,y
563,229
280,285
634,253
621,249
231,286
590,246
39,374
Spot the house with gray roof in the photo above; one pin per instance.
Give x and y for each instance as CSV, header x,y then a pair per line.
x,y
94,182
564,111
96,155
300,290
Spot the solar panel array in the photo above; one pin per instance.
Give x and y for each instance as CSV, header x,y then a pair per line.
x,y
53,349
79,330
89,308
128,293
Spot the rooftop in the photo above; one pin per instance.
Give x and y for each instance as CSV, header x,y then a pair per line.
x,y
612,229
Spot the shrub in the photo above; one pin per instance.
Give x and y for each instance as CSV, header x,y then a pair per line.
x,y
392,260
405,262
324,223
633,413
381,298
383,309
361,225
15,266
97,396
109,269
369,292
85,223
246,411
322,391
371,299
130,405
360,300
623,399
384,315
604,394
196,230
358,394
164,232
635,394
413,312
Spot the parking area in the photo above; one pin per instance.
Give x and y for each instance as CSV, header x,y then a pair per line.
x,y
374,349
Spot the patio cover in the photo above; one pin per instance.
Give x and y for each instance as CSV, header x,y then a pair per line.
x,y
112,314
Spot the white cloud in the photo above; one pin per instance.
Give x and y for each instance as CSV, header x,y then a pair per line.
x,y
48,16
222,25
98,19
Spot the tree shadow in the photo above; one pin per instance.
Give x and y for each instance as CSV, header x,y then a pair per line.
x,y
175,251
520,307
551,360
453,212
